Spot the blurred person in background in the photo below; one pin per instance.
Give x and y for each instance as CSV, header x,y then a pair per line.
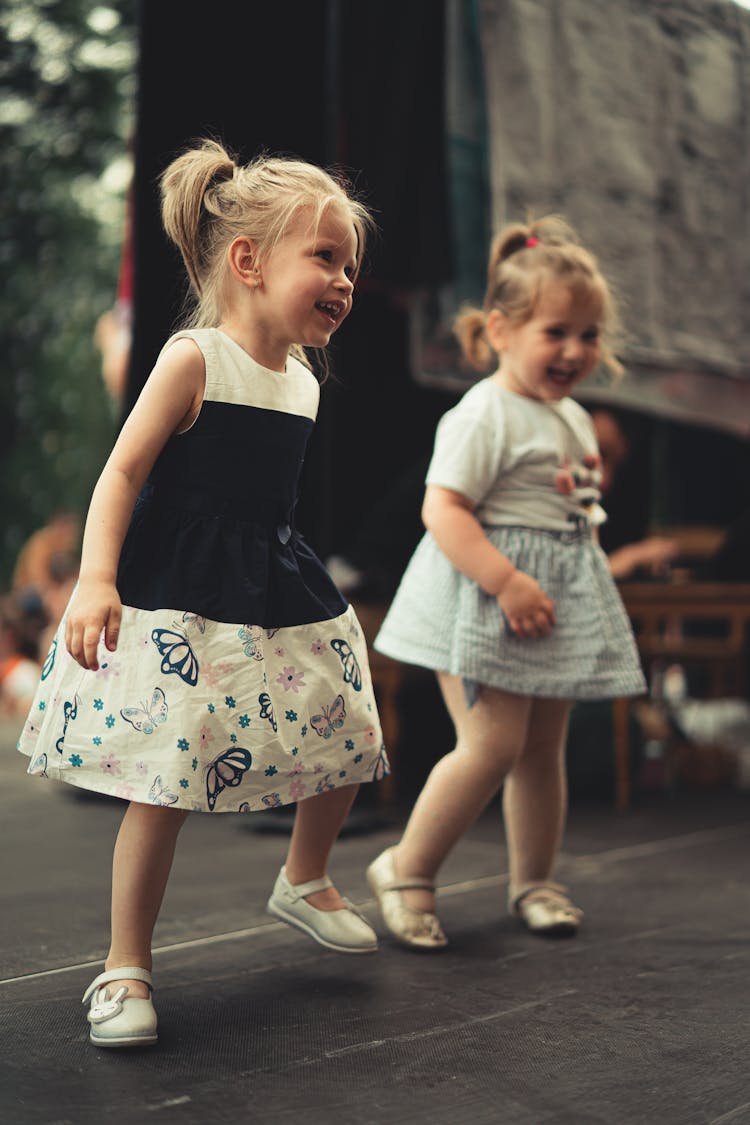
x,y
61,534
620,448
46,572
63,575
22,619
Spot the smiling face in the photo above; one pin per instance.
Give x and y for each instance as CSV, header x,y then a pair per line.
x,y
546,356
308,279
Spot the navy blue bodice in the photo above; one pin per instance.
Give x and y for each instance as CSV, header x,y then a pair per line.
x,y
213,529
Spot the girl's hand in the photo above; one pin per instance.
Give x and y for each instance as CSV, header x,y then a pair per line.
x,y
529,611
96,606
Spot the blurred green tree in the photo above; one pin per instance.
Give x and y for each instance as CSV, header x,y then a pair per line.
x,y
67,79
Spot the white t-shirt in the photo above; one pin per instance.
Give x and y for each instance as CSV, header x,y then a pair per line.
x,y
506,454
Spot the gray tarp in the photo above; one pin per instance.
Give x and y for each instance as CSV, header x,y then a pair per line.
x,y
631,118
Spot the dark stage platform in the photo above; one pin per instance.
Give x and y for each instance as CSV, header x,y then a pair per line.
x,y
642,1019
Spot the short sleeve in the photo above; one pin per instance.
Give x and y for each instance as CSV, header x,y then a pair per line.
x,y
581,423
468,452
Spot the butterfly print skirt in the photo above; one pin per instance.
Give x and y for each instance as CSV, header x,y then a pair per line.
x,y
209,716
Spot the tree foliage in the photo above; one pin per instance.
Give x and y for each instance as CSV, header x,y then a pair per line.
x,y
66,114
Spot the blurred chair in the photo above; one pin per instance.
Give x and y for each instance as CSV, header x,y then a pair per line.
x,y
699,625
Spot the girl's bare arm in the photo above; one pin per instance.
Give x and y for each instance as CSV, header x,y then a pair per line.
x,y
168,403
449,517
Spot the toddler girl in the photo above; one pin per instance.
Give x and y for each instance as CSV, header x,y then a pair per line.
x,y
206,661
508,597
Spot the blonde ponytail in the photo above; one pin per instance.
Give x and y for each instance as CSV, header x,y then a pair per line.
x,y
469,328
187,187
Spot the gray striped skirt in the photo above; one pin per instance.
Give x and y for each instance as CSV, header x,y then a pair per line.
x,y
441,619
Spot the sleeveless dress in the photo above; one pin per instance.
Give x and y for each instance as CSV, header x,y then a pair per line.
x,y
240,680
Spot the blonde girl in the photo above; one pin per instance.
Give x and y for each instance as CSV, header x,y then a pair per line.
x,y
508,597
206,661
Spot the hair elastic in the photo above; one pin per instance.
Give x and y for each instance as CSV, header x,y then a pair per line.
x,y
532,240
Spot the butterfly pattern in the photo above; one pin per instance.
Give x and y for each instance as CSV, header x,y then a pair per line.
x,y
70,711
250,636
266,710
380,769
147,718
331,720
352,671
49,660
189,710
158,794
39,766
177,654
226,770
195,619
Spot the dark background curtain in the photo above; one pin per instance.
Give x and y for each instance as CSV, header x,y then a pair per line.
x,y
357,85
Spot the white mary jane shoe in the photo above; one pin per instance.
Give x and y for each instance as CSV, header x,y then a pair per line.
x,y
344,930
416,928
116,1020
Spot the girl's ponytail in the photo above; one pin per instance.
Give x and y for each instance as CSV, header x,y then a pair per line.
x,y
188,193
469,328
509,241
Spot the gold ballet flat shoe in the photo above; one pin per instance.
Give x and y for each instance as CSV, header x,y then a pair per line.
x,y
545,909
413,928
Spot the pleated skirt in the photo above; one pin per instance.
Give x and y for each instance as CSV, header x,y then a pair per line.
x,y
441,619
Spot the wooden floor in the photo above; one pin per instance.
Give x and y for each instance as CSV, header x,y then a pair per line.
x,y
640,1019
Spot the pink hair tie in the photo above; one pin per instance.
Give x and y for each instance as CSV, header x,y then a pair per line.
x,y
532,241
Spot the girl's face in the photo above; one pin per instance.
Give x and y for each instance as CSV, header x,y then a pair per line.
x,y
308,280
549,354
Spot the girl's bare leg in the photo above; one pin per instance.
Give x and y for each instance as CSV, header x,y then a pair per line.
x,y
490,737
535,796
142,860
316,827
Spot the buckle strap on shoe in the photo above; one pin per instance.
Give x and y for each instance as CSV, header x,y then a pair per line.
x,y
407,883
555,891
127,972
302,890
